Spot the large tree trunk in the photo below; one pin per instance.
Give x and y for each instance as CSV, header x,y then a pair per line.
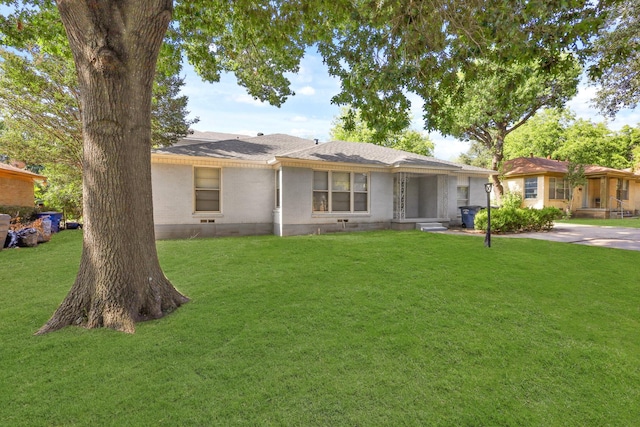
x,y
497,156
120,282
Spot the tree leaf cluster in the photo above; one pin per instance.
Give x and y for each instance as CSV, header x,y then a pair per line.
x,y
558,134
615,64
349,126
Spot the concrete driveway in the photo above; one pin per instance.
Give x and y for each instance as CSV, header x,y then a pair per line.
x,y
610,237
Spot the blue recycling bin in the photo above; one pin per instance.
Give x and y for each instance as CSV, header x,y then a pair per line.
x,y
55,218
468,214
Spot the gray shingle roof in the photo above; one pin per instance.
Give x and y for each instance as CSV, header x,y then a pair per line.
x,y
258,148
366,154
198,135
281,146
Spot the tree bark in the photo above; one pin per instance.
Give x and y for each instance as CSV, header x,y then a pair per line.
x,y
497,156
115,46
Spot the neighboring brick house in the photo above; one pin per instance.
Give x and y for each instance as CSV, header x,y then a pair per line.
x,y
542,182
16,186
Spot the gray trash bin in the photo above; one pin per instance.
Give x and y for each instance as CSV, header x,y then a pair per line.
x,y
468,214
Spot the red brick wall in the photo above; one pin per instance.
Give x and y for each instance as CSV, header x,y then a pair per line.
x,y
15,191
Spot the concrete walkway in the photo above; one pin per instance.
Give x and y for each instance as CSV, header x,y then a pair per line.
x,y
610,237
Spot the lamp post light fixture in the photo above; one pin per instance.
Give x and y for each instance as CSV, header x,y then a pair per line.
x,y
487,238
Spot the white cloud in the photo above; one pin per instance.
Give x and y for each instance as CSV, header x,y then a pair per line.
x,y
303,133
304,75
245,98
447,148
299,119
306,90
583,106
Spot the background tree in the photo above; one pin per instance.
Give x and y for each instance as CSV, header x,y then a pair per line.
x,y
616,67
356,130
576,178
559,135
448,52
489,108
39,103
541,135
477,155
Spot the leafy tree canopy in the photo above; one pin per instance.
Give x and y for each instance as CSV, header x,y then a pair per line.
x,y
616,67
40,106
477,155
389,49
357,131
499,100
541,136
559,135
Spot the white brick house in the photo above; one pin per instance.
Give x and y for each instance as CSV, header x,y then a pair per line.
x,y
284,185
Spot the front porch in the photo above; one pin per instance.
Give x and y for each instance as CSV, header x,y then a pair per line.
x,y
419,198
603,213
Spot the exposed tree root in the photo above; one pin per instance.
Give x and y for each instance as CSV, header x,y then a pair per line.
x,y
90,312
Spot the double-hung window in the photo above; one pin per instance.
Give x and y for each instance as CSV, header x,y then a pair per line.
x,y
558,189
463,195
622,189
531,188
340,191
207,189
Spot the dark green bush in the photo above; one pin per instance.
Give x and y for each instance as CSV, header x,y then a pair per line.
x,y
511,219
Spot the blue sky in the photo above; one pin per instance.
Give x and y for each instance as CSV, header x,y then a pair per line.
x,y
226,107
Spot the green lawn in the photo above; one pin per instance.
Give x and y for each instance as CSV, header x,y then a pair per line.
x,y
624,222
361,329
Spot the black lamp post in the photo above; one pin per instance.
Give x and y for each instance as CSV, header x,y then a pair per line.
x,y
487,238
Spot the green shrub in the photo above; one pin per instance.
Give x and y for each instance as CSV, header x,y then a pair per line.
x,y
511,200
511,219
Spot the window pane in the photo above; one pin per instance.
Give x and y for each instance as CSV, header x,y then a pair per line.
x,y
341,202
207,178
463,193
360,182
208,200
552,188
340,181
320,180
360,202
320,201
530,188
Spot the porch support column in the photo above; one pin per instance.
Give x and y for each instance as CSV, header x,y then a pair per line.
x,y
443,196
400,191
